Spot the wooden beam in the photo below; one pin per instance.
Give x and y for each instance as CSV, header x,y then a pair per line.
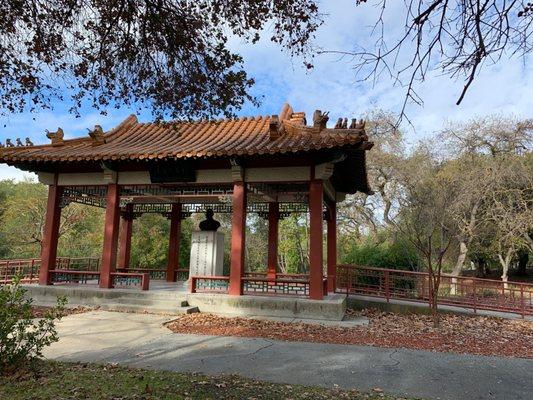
x,y
273,229
238,229
125,238
316,194
174,242
332,246
111,225
51,234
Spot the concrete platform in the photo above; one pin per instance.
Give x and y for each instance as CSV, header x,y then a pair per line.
x,y
173,299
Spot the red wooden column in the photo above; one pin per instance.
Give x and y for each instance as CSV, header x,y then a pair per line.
x,y
316,289
273,222
332,247
174,242
51,234
109,251
238,229
125,238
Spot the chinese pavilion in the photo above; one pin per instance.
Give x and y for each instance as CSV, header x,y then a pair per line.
x,y
272,165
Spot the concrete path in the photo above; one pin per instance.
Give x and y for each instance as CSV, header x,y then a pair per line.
x,y
140,340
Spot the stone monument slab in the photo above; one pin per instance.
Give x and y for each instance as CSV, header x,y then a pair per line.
x,y
207,254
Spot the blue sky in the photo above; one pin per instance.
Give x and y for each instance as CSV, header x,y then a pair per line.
x,y
332,86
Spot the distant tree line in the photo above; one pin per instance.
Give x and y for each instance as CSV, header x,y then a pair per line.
x,y
461,199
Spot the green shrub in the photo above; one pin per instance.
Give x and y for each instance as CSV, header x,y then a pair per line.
x,y
397,254
23,337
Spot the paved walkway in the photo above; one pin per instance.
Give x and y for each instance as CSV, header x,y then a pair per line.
x,y
140,340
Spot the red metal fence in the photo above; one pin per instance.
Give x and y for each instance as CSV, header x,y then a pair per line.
x,y
27,269
78,263
466,292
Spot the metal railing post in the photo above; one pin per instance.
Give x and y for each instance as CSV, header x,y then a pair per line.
x,y
31,269
522,301
387,286
474,294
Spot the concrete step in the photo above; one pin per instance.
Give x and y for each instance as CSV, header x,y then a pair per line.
x,y
151,302
124,307
150,294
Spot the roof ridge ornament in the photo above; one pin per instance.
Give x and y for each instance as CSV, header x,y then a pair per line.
x,y
320,120
357,125
275,129
55,137
97,135
286,112
342,123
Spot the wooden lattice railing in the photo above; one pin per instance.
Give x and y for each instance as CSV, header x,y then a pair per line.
x,y
79,270
181,274
465,292
119,279
257,284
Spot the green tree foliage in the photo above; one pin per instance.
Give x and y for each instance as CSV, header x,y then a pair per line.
x,y
149,242
390,253
256,243
23,210
294,244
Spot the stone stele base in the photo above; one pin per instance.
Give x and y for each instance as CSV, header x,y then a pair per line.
x,y
331,308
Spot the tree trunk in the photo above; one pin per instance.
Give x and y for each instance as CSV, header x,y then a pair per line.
x,y
433,292
463,250
505,263
480,264
523,259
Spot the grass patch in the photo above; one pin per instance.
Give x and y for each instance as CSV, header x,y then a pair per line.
x,y
56,380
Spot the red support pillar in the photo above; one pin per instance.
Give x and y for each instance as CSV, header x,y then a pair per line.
x,y
273,222
174,242
332,247
238,229
125,238
316,289
109,251
51,234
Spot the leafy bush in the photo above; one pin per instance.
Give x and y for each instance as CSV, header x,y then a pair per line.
x,y
22,337
397,254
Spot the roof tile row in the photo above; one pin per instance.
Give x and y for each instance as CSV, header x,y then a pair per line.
x,y
132,140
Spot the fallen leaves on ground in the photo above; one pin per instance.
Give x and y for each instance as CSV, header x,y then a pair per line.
x,y
40,311
456,333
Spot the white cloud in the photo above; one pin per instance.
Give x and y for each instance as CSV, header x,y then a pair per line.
x,y
7,172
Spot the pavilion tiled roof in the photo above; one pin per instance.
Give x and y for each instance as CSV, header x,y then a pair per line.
x,y
133,140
